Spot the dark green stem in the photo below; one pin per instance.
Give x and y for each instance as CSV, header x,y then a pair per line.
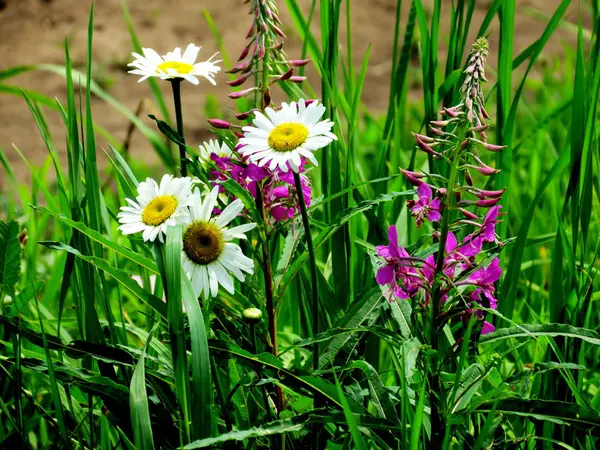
x,y
437,425
313,268
176,84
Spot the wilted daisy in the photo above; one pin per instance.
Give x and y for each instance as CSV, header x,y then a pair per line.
x,y
157,207
209,257
210,147
287,135
174,65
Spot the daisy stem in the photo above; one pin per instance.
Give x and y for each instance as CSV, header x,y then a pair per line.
x,y
176,84
271,313
313,268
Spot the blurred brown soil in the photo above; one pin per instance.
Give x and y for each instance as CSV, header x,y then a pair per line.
x,y
33,32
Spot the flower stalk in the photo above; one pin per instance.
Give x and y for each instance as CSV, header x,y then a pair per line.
x,y
176,85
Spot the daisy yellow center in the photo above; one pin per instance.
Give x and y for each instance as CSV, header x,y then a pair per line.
x,y
203,242
288,136
180,67
159,210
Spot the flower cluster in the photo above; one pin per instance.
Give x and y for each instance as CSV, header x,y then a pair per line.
x,y
455,277
209,256
276,187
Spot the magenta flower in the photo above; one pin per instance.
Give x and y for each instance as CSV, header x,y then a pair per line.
x,y
486,233
403,279
484,279
425,207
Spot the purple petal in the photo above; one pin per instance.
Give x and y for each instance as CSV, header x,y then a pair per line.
x,y
451,242
487,328
493,272
424,191
393,237
472,248
255,173
385,275
434,216
279,213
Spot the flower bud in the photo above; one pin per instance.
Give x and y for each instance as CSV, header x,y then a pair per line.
x,y
426,148
244,52
491,194
244,115
221,124
240,94
252,315
424,138
241,66
250,31
297,79
238,81
298,62
278,31
23,237
464,144
413,177
468,214
439,123
287,75
468,177
436,131
277,46
479,128
488,203
490,147
450,112
267,97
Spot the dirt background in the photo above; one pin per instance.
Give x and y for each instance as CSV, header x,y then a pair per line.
x,y
33,32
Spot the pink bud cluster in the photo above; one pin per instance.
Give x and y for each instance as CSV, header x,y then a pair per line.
x,y
262,54
453,274
264,45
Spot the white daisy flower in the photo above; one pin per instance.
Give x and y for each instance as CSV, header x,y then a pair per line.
x,y
174,65
209,257
157,207
210,147
287,135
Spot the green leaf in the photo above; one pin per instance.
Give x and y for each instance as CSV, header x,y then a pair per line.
x,y
125,252
535,330
138,403
10,253
553,411
121,276
201,385
269,429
